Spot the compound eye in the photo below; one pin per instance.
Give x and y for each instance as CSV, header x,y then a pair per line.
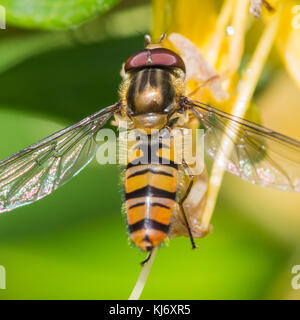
x,y
137,60
158,57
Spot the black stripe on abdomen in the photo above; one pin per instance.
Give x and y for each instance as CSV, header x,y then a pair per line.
x,y
148,224
158,204
150,192
139,204
138,173
141,161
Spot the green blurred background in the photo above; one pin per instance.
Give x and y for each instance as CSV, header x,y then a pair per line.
x,y
73,244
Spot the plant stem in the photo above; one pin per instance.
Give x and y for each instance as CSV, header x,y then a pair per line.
x,y
140,284
213,50
247,86
236,44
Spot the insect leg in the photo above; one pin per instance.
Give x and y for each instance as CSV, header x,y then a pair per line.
x,y
184,215
189,172
147,258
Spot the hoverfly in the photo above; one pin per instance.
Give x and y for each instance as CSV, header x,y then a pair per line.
x,y
152,97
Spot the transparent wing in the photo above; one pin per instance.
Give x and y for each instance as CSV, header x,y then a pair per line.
x,y
259,155
36,171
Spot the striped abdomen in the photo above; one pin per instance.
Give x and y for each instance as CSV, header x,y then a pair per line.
x,y
150,191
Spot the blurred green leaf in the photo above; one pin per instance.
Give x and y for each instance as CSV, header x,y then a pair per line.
x,y
16,46
68,82
17,49
53,14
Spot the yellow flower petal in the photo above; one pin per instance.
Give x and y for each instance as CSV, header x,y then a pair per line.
x,y
193,19
288,38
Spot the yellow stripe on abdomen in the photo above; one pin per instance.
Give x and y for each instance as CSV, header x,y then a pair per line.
x,y
150,191
150,198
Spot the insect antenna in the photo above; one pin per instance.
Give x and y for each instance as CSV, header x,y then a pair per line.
x,y
162,37
148,39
